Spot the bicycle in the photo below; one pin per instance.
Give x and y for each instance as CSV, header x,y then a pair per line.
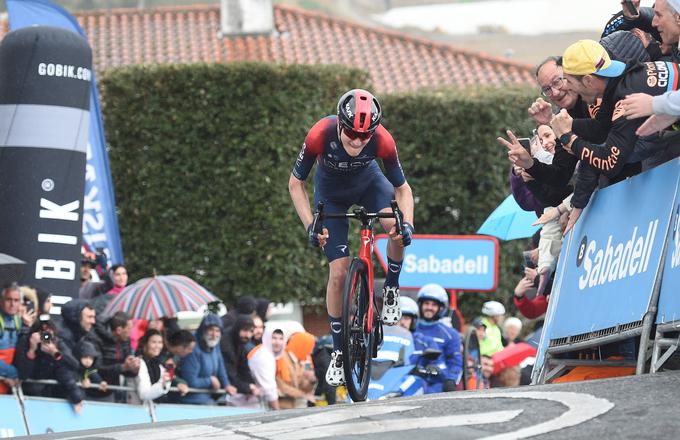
x,y
360,323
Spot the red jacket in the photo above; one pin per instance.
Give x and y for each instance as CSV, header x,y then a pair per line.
x,y
532,308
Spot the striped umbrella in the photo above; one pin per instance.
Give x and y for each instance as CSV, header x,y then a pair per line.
x,y
160,296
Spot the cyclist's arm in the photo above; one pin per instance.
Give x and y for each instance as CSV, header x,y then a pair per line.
x,y
298,193
387,151
404,197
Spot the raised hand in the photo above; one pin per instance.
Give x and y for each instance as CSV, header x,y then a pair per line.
x,y
516,152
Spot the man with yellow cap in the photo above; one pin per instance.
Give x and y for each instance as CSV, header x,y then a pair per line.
x,y
591,73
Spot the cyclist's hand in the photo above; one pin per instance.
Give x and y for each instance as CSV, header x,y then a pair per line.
x,y
317,240
406,234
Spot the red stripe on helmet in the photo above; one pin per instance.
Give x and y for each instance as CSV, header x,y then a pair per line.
x,y
362,105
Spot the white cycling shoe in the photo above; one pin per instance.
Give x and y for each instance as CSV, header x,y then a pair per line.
x,y
391,312
335,375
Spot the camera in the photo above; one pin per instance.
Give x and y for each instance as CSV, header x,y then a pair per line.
x,y
45,336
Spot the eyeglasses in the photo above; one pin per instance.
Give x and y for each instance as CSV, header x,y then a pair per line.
x,y
556,84
355,134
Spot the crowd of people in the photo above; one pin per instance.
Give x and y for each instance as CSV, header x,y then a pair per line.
x,y
607,112
228,360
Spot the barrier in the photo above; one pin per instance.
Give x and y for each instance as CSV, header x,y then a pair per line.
x,y
668,315
609,273
11,418
31,415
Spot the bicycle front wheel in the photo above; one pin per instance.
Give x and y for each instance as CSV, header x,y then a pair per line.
x,y
357,341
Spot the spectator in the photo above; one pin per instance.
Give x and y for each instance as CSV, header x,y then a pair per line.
x,y
89,288
480,328
117,357
42,355
233,346
152,381
592,74
493,342
245,305
179,345
204,367
262,363
86,354
44,302
409,313
430,333
512,327
295,377
666,22
258,331
263,308
10,325
119,276
526,300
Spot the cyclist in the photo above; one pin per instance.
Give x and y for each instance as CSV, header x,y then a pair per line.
x,y
431,333
345,147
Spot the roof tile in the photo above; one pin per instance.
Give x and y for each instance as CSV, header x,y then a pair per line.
x,y
188,34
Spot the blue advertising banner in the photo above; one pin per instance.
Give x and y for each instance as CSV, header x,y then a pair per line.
x,y
167,412
669,297
100,223
460,262
54,415
11,421
615,253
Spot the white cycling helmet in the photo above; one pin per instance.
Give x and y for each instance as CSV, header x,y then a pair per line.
x,y
493,308
408,306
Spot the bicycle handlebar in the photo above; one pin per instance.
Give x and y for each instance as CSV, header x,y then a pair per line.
x,y
358,213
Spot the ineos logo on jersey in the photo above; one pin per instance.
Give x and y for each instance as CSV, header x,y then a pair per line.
x,y
64,71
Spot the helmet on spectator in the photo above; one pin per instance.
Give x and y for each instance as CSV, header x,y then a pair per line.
x,y
359,111
408,306
436,293
493,308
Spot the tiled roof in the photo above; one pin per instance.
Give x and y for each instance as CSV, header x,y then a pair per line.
x,y
185,34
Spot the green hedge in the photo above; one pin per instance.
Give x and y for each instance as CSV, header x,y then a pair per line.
x,y
201,156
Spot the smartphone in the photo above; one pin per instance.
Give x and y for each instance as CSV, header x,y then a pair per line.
x,y
29,305
630,7
527,260
526,143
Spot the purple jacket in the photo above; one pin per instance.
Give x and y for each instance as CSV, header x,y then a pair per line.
x,y
523,196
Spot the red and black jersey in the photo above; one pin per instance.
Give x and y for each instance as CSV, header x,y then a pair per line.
x,y
323,145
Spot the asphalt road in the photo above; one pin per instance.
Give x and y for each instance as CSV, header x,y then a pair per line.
x,y
637,407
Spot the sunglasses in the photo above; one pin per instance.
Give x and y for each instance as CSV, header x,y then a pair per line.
x,y
356,135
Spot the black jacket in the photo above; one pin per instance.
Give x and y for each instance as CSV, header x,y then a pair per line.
x,y
609,159
236,356
63,369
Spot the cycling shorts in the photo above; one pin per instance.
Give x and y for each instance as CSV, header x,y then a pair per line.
x,y
369,188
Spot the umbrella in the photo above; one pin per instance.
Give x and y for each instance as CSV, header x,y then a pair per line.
x,y
160,296
509,221
11,269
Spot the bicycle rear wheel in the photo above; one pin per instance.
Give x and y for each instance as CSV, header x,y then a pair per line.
x,y
472,361
357,342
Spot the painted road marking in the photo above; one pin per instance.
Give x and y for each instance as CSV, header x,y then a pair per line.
x,y
581,408
347,420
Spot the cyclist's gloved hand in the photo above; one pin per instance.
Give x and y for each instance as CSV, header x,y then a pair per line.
x,y
407,234
313,237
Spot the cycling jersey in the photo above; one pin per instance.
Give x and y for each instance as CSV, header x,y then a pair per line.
x,y
323,145
342,180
